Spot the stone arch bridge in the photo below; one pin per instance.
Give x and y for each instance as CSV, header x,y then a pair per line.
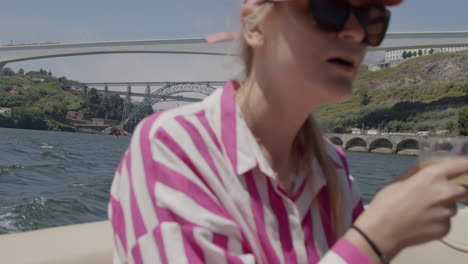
x,y
395,143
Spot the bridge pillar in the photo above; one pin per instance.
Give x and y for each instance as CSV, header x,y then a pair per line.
x,y
106,91
127,103
147,93
128,96
105,101
345,143
85,91
394,149
1,69
148,90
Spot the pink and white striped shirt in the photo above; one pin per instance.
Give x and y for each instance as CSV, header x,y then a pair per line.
x,y
194,187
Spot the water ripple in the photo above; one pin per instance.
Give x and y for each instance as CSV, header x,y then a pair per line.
x,y
14,166
55,179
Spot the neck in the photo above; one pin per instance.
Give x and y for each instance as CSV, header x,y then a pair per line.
x,y
273,117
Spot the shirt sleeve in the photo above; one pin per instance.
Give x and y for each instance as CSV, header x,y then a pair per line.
x,y
162,211
344,252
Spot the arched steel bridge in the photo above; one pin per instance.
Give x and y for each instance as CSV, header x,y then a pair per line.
x,y
104,86
131,116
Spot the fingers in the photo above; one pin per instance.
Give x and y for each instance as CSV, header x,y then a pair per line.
x,y
448,169
451,209
463,195
451,194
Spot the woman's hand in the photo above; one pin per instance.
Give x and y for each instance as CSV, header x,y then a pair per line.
x,y
415,210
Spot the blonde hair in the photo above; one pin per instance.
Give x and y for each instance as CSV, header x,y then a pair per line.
x,y
309,136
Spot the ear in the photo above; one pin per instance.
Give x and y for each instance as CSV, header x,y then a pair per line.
x,y
253,34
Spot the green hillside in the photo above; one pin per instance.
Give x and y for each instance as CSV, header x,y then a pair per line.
x,y
421,94
41,101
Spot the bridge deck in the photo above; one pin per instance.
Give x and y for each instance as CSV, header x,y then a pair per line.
x,y
200,46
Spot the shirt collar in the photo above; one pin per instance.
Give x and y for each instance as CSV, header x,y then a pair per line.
x,y
239,144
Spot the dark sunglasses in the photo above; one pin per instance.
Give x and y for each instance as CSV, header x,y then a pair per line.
x,y
332,15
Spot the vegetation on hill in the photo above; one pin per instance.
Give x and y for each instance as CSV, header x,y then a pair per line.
x,y
424,94
41,101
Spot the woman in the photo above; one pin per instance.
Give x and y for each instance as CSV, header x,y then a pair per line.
x,y
245,176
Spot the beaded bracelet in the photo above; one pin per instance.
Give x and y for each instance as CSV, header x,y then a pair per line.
x,y
383,257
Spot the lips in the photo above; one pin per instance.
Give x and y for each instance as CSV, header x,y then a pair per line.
x,y
341,61
345,63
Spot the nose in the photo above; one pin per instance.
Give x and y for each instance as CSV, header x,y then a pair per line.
x,y
353,30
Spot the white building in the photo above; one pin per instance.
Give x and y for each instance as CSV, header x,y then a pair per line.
x,y
440,132
5,110
356,131
396,55
373,132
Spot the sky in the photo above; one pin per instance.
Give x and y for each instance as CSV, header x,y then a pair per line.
x,y
103,20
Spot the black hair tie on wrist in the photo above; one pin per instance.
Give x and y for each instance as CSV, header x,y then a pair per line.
x,y
383,257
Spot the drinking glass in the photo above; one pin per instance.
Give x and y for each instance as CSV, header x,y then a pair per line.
x,y
435,150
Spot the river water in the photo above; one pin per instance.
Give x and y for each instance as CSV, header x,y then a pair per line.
x,y
52,178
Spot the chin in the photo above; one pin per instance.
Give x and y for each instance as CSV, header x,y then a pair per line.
x,y
337,90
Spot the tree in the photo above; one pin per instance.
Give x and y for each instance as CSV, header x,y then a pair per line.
x,y
414,54
364,96
431,51
63,79
463,121
394,126
338,129
8,72
93,97
93,105
450,125
28,118
115,109
56,110
420,52
21,71
405,54
410,54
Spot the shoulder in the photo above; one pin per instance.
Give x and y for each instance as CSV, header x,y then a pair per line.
x,y
180,130
165,119
172,118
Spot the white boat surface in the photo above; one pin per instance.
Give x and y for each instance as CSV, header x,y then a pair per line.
x,y
92,243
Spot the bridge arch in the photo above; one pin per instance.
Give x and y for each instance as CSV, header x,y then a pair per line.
x,y
356,142
337,141
381,143
407,144
133,116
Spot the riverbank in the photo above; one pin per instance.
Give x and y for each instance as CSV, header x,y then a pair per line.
x,y
107,131
81,130
406,152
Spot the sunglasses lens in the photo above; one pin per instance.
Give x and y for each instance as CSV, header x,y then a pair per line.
x,y
374,20
330,15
